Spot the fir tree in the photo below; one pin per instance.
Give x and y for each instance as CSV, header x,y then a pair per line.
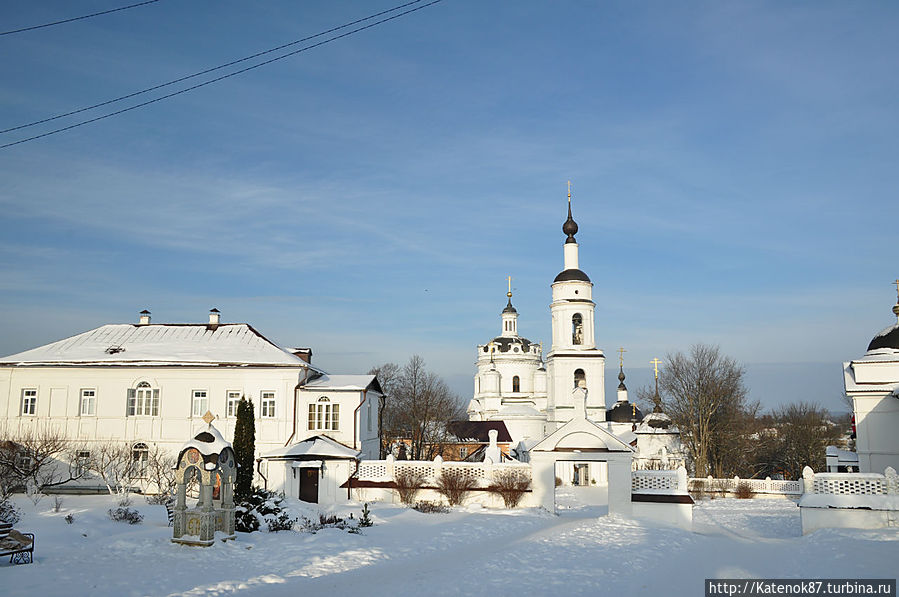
x,y
244,449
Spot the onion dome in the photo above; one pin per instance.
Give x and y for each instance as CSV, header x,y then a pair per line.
x,y
624,412
621,385
888,338
570,226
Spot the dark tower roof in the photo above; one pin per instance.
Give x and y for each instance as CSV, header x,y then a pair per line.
x,y
509,308
888,338
624,412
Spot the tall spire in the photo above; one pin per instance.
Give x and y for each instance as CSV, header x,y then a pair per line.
x,y
656,399
896,306
510,314
570,226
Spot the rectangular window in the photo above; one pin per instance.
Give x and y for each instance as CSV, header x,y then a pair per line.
x,y
200,403
88,402
82,460
232,398
324,415
143,401
267,400
29,401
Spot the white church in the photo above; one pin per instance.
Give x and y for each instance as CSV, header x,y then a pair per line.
x,y
534,398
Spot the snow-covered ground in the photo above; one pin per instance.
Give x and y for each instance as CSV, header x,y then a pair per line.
x,y
465,552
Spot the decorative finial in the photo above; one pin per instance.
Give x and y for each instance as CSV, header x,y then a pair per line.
x,y
509,294
656,399
896,306
621,352
570,226
209,418
656,362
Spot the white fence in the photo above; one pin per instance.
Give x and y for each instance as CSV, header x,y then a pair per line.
x,y
766,486
430,470
662,482
851,483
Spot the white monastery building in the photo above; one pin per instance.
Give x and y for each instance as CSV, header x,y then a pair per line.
x,y
534,399
872,381
150,384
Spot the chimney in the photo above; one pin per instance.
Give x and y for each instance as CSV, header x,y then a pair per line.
x,y
144,318
214,316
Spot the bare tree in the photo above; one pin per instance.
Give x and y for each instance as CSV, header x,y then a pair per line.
x,y
36,459
388,376
803,433
161,474
420,406
703,392
113,462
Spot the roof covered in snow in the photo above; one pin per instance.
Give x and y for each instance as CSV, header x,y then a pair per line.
x,y
210,443
317,447
228,344
345,382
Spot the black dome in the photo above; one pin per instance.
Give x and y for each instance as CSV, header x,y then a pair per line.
x,y
572,274
624,412
888,338
509,308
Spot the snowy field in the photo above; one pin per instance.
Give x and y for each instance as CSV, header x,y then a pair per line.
x,y
465,552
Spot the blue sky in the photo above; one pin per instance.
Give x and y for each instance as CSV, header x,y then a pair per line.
x,y
733,171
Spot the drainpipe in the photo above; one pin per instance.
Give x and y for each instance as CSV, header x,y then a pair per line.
x,y
364,398
259,470
297,387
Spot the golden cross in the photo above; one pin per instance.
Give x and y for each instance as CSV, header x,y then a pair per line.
x,y
656,362
509,294
569,191
897,289
621,352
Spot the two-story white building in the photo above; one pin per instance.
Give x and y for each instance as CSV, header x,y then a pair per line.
x,y
150,384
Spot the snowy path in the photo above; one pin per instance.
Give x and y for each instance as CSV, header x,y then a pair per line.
x,y
522,553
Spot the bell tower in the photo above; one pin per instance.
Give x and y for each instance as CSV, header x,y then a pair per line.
x,y
573,359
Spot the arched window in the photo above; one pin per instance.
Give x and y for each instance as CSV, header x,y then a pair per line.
x,y
516,384
324,415
140,456
579,376
143,400
577,329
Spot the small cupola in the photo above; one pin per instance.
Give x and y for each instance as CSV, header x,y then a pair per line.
x,y
144,318
214,319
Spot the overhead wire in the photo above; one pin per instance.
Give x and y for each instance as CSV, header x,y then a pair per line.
x,y
208,70
226,76
96,14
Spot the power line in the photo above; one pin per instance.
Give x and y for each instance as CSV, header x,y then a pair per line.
x,y
215,80
96,14
208,70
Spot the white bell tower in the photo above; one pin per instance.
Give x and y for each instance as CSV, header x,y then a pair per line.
x,y
573,357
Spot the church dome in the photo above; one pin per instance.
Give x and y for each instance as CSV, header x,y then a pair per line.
x,y
509,308
507,344
624,412
887,338
572,274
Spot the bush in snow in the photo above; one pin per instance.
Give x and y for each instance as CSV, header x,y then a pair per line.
x,y
261,507
9,512
430,507
70,518
453,484
744,491
365,520
407,485
511,486
282,522
125,514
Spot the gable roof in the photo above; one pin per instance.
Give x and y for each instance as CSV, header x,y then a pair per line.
x,y
124,344
344,382
317,447
581,435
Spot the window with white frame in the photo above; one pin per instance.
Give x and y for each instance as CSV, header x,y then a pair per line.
x,y
82,463
200,403
140,457
88,402
231,399
267,403
143,401
29,401
324,415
